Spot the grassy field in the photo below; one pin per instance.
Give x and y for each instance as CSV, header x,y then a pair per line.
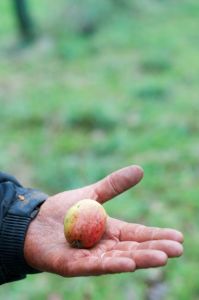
x,y
74,108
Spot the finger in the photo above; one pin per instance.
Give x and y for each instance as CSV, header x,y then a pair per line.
x,y
141,233
99,265
117,182
171,248
149,258
142,258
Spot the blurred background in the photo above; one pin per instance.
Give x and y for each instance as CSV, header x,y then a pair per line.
x,y
90,86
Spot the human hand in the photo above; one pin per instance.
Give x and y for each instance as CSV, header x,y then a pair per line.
x,y
124,247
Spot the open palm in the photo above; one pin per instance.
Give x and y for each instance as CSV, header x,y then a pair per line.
x,y
123,248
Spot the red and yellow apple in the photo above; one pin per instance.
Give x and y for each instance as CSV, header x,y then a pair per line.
x,y
85,223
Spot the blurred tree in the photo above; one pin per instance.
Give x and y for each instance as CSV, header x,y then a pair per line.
x,y
24,20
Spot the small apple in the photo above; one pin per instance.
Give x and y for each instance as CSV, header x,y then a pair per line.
x,y
85,223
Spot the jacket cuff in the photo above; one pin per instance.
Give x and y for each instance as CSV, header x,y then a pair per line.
x,y
13,231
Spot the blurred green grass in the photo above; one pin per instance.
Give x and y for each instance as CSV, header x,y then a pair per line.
x,y
75,107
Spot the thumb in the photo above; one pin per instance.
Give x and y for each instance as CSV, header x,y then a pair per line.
x,y
117,182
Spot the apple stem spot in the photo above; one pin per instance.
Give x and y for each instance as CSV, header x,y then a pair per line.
x,y
77,244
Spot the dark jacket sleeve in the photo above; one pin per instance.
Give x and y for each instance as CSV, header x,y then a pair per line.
x,y
18,206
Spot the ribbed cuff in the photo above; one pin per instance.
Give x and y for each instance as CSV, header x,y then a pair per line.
x,y
13,264
18,206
